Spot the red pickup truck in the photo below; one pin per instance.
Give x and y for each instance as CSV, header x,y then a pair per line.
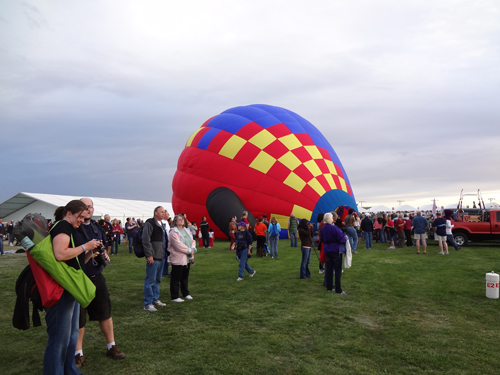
x,y
487,228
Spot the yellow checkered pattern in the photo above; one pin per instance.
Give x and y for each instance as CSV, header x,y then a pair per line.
x,y
264,162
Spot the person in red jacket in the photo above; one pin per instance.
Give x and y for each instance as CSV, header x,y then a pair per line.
x,y
400,227
260,231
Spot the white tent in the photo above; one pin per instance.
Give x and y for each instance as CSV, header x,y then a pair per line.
x,y
18,206
492,205
426,207
380,208
405,207
452,206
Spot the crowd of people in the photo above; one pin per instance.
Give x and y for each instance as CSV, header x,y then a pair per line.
x,y
83,243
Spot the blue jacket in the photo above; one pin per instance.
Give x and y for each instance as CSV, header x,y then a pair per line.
x,y
332,236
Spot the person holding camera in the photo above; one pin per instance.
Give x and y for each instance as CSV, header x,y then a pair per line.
x,y
100,308
62,317
181,248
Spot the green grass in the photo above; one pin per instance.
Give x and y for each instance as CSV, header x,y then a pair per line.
x,y
404,314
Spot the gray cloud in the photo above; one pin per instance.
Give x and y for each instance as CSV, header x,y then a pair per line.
x,y
406,92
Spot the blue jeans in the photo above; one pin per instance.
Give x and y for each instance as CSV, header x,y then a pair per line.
x,y
382,235
152,282
244,264
353,237
451,240
130,243
273,249
368,239
304,265
333,263
62,328
114,246
1,245
293,238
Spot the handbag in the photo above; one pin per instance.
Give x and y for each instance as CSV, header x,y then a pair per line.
x,y
50,291
73,280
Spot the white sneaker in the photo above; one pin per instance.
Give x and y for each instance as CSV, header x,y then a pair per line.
x,y
239,279
253,274
188,297
321,271
178,300
440,253
159,303
150,308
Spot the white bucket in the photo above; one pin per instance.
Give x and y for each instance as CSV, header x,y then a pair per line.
x,y
492,283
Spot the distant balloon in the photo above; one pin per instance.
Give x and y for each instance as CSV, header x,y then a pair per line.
x,y
262,159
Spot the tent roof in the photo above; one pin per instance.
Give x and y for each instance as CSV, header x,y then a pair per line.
x,y
113,207
380,208
405,207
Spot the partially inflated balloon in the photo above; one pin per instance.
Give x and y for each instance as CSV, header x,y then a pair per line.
x,y
261,158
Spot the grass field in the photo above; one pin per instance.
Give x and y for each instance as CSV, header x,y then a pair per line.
x,y
404,314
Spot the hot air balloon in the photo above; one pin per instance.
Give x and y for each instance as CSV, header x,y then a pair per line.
x,y
261,159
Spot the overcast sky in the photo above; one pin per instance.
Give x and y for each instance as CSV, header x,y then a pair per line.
x,y
98,97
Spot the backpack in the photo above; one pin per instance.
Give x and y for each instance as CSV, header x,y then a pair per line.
x,y
274,230
138,247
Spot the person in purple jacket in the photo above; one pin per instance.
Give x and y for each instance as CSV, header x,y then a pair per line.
x,y
332,237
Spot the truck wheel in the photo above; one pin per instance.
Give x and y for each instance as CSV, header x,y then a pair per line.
x,y
461,239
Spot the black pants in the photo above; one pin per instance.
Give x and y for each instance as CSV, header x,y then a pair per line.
x,y
179,275
206,239
333,263
409,242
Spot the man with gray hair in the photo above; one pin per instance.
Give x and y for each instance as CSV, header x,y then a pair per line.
x,y
155,242
100,307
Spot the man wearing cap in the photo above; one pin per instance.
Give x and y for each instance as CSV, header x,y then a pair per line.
x,y
439,226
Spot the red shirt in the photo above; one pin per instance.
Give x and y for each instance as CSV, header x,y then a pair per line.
x,y
400,225
408,224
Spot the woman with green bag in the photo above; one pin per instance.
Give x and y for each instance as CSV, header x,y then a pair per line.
x,y
62,318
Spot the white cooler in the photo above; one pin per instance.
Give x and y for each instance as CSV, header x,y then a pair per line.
x,y
492,281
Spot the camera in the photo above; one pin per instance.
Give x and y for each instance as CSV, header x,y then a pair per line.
x,y
101,258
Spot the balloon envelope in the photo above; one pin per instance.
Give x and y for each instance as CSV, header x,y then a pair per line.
x,y
274,161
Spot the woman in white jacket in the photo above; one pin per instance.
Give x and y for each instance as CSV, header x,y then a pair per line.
x,y
182,247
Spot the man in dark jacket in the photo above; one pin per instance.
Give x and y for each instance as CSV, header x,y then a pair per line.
x,y
367,229
100,307
154,241
204,231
